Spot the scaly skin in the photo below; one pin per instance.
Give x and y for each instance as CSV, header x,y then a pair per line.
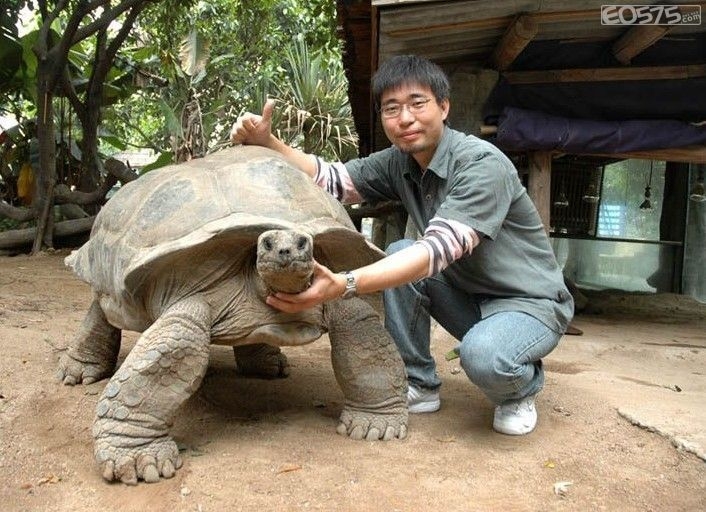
x,y
138,405
169,360
93,353
261,360
369,370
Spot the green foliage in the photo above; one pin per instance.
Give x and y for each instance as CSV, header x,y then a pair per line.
x,y
163,159
194,53
315,114
7,224
197,69
18,63
189,68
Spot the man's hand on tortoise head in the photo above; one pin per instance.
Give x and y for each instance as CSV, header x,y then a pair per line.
x,y
325,286
252,128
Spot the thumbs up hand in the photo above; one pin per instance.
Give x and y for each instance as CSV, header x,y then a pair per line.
x,y
252,128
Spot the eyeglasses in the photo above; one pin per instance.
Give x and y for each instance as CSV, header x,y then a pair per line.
x,y
393,110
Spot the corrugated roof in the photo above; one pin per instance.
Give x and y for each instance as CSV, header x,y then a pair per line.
x,y
444,30
567,35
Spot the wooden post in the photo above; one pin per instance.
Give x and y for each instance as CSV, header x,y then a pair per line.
x,y
636,40
518,35
539,183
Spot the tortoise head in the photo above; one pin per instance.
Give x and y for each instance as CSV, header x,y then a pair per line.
x,y
285,259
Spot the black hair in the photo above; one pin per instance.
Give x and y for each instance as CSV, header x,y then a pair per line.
x,y
410,69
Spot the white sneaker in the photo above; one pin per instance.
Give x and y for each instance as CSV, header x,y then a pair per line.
x,y
516,418
422,400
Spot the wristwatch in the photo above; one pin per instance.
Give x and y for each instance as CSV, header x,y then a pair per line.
x,y
351,286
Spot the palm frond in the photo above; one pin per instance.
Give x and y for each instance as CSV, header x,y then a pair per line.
x,y
314,112
194,53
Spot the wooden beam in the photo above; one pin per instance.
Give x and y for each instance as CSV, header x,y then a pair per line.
x,y
487,130
636,40
518,35
539,183
606,74
474,19
486,24
481,23
689,155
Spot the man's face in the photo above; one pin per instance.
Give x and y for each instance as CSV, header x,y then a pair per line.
x,y
413,120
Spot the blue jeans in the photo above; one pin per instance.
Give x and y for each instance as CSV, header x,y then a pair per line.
x,y
501,354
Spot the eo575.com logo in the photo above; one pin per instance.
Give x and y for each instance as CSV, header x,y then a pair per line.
x,y
668,14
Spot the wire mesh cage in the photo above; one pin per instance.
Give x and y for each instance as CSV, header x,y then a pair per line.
x,y
575,196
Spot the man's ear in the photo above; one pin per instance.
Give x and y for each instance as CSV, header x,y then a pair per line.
x,y
445,106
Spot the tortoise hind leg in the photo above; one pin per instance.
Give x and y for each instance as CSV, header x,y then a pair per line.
x,y
138,405
369,371
93,353
261,360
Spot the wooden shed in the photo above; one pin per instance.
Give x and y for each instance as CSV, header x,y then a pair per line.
x,y
583,65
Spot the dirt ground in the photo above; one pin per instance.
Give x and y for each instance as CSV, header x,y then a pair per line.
x,y
622,423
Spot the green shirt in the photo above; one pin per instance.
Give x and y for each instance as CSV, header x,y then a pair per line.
x,y
471,181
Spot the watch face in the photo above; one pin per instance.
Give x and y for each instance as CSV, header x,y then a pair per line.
x,y
351,287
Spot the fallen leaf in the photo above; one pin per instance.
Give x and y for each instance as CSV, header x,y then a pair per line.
x,y
49,479
561,410
549,464
451,354
561,488
289,468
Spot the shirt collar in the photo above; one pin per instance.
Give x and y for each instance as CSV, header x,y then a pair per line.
x,y
440,161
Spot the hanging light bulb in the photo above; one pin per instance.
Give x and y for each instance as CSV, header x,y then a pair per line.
x,y
647,204
591,195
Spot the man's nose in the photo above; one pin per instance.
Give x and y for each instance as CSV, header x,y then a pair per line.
x,y
406,115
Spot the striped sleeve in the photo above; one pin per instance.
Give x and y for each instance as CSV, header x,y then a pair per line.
x,y
334,179
446,241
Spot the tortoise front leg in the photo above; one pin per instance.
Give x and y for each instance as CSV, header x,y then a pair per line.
x,y
93,353
138,405
369,371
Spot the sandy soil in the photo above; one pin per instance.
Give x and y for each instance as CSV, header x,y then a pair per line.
x,y
621,424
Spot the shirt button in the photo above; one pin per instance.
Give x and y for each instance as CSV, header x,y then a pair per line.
x,y
428,197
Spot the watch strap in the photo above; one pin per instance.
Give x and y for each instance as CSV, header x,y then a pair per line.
x,y
351,285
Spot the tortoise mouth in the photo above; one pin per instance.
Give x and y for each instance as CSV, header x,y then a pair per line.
x,y
278,266
293,276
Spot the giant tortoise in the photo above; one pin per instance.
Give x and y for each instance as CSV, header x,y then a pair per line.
x,y
186,255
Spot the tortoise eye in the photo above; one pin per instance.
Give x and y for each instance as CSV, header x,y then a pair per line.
x,y
267,243
302,243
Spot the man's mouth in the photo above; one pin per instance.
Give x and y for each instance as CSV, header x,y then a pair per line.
x,y
410,136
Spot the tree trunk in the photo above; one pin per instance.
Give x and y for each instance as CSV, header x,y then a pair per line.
x,y
46,177
90,161
18,239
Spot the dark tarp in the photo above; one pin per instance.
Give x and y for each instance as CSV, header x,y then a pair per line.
x,y
682,50
609,101
682,99
523,130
